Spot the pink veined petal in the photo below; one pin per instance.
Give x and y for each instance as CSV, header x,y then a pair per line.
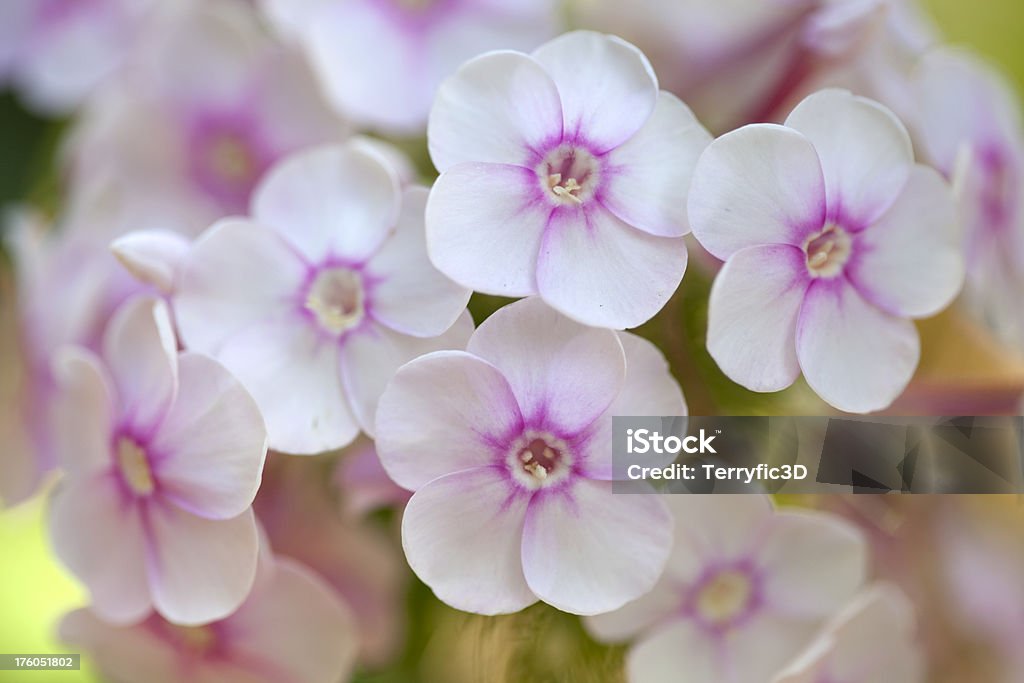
x,y
607,87
121,653
200,570
337,202
98,535
676,647
238,274
212,444
152,256
424,431
484,225
371,356
292,373
865,153
637,617
588,551
909,263
564,375
752,316
650,173
83,411
498,108
141,351
855,356
297,624
409,294
602,272
812,563
715,529
462,534
759,185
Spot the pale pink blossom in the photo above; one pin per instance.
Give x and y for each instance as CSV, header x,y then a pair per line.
x,y
564,173
318,298
363,483
833,241
508,449
163,454
291,628
746,587
381,61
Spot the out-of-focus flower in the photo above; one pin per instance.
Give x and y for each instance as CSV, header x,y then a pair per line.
x,y
56,52
870,641
563,173
164,454
381,61
292,627
365,566
508,449
746,587
317,300
833,240
969,127
207,103
364,484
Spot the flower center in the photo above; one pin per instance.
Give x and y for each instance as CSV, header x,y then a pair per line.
x,y
336,299
828,251
539,459
569,175
131,458
724,597
232,160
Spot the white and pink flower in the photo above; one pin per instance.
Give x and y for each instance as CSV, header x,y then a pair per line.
x,y
564,173
381,61
163,454
315,301
508,449
833,241
745,589
292,627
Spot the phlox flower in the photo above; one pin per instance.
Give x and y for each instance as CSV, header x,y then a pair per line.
x,y
56,52
833,240
870,640
163,454
363,483
746,587
208,103
508,449
321,295
403,48
292,627
564,173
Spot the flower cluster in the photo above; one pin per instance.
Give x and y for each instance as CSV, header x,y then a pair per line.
x,y
262,355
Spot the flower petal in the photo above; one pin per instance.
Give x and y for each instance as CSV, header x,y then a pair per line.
x,y
600,271
563,374
337,202
636,617
607,87
238,274
497,108
141,352
909,263
121,653
98,534
765,644
715,529
759,185
371,356
212,444
424,433
83,411
462,534
855,356
200,570
484,227
292,372
752,316
679,646
409,294
812,563
588,551
865,153
152,256
651,172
